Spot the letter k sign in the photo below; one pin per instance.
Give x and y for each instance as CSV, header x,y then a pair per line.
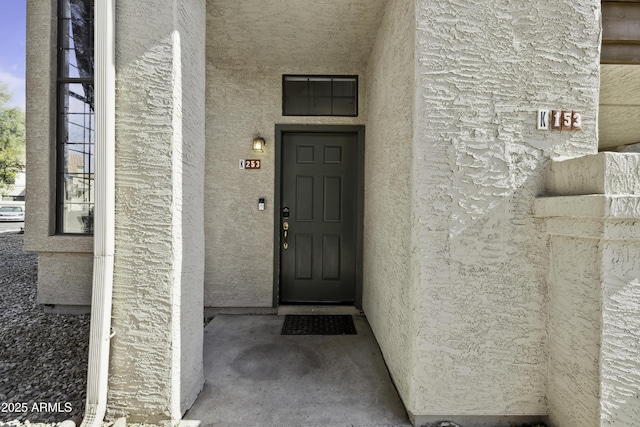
x,y
543,119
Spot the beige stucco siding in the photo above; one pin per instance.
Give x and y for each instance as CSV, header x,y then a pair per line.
x,y
63,278
574,331
239,238
594,269
156,352
65,262
388,289
188,222
483,71
620,367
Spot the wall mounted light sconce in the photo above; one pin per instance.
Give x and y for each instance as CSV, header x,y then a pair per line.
x,y
258,144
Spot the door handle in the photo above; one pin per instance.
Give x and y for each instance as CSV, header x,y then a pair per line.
x,y
285,234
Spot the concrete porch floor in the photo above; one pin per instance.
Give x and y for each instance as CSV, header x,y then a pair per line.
x,y
256,377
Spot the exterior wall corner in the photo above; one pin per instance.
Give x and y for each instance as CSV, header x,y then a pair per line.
x,y
593,283
479,163
156,369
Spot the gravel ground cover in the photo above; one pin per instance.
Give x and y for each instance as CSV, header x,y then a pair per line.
x,y
43,357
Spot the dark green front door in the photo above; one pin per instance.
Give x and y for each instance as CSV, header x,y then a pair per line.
x,y
318,217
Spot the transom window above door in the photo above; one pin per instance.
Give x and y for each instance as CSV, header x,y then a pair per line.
x,y
306,95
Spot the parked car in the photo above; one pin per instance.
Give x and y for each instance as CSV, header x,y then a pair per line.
x,y
11,213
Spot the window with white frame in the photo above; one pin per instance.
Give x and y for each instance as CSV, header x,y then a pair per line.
x,y
75,118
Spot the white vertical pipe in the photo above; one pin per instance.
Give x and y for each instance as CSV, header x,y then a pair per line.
x,y
104,226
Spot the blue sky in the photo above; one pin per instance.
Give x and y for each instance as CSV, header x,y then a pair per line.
x,y
12,48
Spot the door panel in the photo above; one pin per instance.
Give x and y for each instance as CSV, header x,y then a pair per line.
x,y
332,202
319,190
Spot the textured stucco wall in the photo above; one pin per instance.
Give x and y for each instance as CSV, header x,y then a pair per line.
x,y
63,278
574,331
239,239
188,225
620,346
156,361
602,173
594,326
53,285
483,70
387,296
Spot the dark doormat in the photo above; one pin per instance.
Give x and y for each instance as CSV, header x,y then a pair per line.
x,y
297,324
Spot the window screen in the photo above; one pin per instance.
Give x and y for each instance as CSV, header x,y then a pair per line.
x,y
319,95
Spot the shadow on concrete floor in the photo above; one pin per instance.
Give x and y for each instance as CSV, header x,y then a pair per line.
x,y
256,377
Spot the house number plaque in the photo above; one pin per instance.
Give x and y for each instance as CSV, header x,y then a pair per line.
x,y
559,120
252,164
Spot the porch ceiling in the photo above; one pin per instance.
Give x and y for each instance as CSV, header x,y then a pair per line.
x,y
296,34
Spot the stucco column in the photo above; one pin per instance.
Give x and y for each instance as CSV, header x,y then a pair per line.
x,y
483,69
594,290
156,365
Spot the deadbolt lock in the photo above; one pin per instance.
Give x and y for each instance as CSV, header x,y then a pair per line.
x,y
285,235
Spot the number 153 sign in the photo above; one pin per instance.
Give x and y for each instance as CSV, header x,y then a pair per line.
x,y
559,120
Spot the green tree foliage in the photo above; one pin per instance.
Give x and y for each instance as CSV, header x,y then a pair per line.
x,y
12,141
